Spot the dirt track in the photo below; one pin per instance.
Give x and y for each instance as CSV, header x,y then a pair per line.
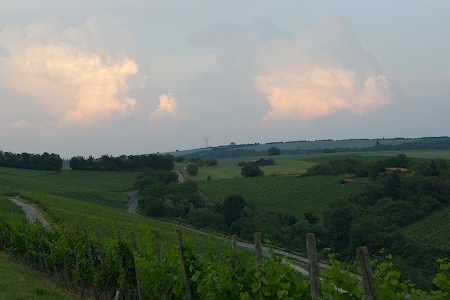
x,y
32,213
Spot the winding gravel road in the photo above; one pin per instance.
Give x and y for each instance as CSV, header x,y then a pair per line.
x,y
133,202
32,213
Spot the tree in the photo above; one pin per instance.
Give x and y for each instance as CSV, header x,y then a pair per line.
x,y
338,218
273,151
233,208
192,169
311,218
251,170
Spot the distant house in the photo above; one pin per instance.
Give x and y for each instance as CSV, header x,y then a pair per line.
x,y
259,162
395,169
346,181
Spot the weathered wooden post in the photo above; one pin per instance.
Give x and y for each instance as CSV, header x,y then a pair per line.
x,y
367,273
126,294
235,252
138,276
258,248
158,247
90,259
77,263
313,270
102,259
187,286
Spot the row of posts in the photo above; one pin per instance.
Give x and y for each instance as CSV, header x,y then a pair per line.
x,y
364,263
362,254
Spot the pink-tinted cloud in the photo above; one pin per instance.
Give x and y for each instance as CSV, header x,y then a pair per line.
x,y
78,74
168,107
318,70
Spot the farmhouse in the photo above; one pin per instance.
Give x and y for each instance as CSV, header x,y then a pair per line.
x,y
259,162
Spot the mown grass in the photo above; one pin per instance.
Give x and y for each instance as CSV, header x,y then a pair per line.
x,y
228,168
298,163
19,282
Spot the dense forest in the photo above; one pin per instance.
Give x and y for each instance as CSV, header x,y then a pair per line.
x,y
45,161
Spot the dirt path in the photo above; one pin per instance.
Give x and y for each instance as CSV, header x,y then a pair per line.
x,y
31,212
133,202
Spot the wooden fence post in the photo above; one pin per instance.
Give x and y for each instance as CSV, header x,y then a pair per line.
x,y
366,272
313,270
258,248
91,261
41,244
158,247
138,276
77,266
102,259
235,252
124,271
187,286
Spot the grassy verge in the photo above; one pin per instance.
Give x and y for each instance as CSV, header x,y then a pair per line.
x,y
19,282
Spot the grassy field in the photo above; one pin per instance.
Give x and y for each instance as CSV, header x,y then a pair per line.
x,y
298,164
18,282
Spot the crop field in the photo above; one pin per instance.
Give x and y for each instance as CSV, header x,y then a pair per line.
x,y
433,230
285,194
89,200
96,187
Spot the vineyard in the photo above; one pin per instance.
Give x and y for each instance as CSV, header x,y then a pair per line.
x,y
146,268
91,205
433,230
285,194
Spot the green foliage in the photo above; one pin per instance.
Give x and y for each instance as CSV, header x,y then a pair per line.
x,y
46,161
233,208
273,151
192,169
251,170
121,163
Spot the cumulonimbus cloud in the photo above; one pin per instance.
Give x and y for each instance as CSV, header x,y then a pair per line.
x,y
168,107
79,73
318,70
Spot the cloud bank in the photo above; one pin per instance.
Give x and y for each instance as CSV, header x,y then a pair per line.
x,y
315,71
78,74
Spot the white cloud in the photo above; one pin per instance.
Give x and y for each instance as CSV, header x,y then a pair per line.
x,y
80,74
318,70
168,107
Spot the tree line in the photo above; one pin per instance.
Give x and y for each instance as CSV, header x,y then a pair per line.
x,y
123,163
45,161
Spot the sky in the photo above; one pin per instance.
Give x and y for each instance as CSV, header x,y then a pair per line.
x,y
117,77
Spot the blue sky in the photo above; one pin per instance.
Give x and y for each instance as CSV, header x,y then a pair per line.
x,y
131,77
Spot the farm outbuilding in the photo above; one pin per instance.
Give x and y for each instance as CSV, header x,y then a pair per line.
x,y
259,162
